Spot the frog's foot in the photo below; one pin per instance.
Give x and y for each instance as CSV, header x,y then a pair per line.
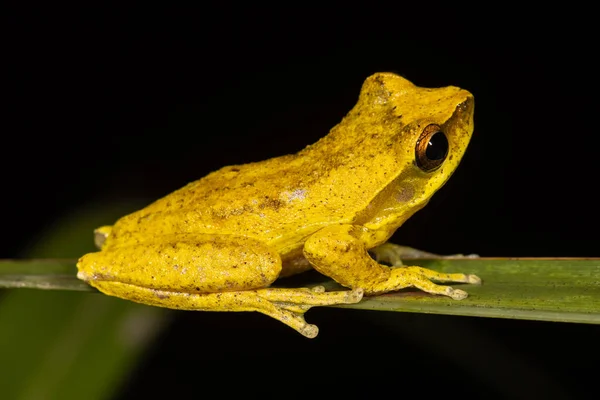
x,y
420,278
301,308
393,254
289,305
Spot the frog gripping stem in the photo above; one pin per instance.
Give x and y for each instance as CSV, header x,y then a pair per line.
x,y
219,243
285,305
338,251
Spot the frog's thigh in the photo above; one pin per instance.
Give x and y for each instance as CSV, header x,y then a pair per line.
x,y
187,263
339,252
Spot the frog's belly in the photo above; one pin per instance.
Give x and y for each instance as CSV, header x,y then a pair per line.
x,y
294,263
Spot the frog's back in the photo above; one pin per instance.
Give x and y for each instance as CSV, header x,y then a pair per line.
x,y
281,199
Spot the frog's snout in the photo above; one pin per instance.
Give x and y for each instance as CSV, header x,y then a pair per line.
x,y
86,267
83,276
83,272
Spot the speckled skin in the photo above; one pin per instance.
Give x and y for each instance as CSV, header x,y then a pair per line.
x,y
219,242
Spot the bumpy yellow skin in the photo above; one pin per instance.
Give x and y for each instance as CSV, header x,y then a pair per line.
x,y
218,243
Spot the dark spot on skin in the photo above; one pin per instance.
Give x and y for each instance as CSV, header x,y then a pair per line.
x,y
217,244
226,213
274,204
234,266
197,289
379,80
235,169
160,295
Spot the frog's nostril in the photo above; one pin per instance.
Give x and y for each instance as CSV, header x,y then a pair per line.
x,y
466,106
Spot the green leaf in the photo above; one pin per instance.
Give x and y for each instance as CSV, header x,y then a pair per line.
x,y
566,290
41,274
537,289
67,344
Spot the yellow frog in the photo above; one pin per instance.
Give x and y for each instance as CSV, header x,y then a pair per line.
x,y
218,243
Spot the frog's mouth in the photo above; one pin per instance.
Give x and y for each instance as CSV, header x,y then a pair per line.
x,y
83,276
88,273
87,277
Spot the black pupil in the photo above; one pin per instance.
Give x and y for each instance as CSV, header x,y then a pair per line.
x,y
437,148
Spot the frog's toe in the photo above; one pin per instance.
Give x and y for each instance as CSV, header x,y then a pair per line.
x,y
474,279
309,330
354,296
456,294
460,255
319,289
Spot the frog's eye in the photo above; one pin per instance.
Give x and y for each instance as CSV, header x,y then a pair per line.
x,y
431,149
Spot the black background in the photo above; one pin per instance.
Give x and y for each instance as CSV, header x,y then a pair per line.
x,y
113,104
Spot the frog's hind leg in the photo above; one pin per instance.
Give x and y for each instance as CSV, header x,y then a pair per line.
x,y
289,305
206,272
285,305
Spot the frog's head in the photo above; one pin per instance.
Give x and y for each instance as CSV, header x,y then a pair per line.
x,y
425,133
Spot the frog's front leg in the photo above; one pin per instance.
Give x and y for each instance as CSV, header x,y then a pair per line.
x,y
209,273
393,254
340,252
